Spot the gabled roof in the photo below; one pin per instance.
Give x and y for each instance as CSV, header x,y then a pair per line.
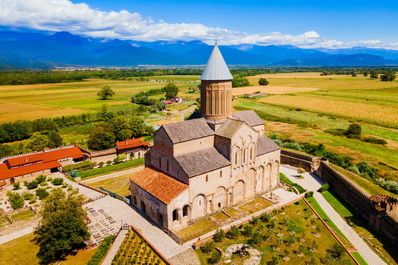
x,y
202,161
229,128
250,117
158,184
265,145
19,171
130,143
187,130
52,155
216,68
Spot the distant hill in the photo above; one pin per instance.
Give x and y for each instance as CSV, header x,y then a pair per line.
x,y
35,50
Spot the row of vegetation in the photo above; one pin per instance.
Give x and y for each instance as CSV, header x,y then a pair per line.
x,y
362,169
42,77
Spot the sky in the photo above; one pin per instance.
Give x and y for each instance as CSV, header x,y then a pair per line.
x,y
306,24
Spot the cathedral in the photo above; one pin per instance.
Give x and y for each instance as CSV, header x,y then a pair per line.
x,y
201,166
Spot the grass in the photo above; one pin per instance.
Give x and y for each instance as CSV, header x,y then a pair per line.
x,y
23,251
112,168
232,212
221,216
365,184
257,204
24,216
324,216
359,258
300,216
119,185
197,229
286,180
53,100
379,244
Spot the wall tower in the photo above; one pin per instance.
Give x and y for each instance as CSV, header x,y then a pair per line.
x,y
216,88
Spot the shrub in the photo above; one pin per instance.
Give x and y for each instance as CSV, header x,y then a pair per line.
x,y
390,185
219,235
265,217
41,193
108,162
40,179
354,130
324,187
58,181
337,251
101,251
256,239
233,233
16,200
86,165
254,221
247,230
101,164
309,194
300,170
374,140
215,257
336,132
16,185
27,195
33,199
32,185
208,247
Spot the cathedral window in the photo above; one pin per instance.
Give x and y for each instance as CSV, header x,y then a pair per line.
x,y
160,162
168,166
220,173
207,178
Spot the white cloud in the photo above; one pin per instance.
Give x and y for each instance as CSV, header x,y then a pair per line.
x,y
63,15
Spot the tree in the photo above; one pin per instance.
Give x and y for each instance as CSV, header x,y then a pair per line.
x,y
374,74
121,128
138,127
219,235
171,90
62,228
354,130
389,76
104,114
101,137
16,200
54,139
263,82
105,93
239,82
38,142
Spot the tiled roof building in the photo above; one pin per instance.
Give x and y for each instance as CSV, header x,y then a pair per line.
x,y
24,167
198,167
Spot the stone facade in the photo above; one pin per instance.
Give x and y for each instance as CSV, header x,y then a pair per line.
x,y
207,164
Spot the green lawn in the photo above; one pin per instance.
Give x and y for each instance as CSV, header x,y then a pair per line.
x,y
338,204
197,229
359,258
22,251
119,185
24,216
95,172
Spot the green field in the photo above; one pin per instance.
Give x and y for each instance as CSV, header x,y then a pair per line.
x,y
51,100
333,103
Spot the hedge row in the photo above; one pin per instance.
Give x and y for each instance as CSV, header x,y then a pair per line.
x,y
116,167
86,165
101,251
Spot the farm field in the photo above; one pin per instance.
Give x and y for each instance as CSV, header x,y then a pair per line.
x,y
51,100
333,103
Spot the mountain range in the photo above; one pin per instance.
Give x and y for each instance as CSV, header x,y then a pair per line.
x,y
36,50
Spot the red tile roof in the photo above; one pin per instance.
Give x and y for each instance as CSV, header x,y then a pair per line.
x,y
46,156
158,184
130,143
19,171
2,183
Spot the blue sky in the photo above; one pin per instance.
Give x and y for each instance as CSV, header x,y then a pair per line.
x,y
308,24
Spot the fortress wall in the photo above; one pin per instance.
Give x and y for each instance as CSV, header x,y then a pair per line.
x,y
381,219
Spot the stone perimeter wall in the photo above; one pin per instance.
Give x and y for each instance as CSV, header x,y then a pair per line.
x,y
346,189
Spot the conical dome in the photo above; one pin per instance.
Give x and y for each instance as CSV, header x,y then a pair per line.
x,y
216,68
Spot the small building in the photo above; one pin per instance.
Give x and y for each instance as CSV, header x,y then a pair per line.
x,y
26,167
133,148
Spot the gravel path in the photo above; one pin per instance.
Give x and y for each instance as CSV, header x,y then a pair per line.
x,y
311,182
115,247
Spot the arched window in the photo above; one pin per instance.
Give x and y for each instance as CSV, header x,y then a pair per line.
x,y
134,200
185,210
207,178
236,157
220,173
167,165
175,215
